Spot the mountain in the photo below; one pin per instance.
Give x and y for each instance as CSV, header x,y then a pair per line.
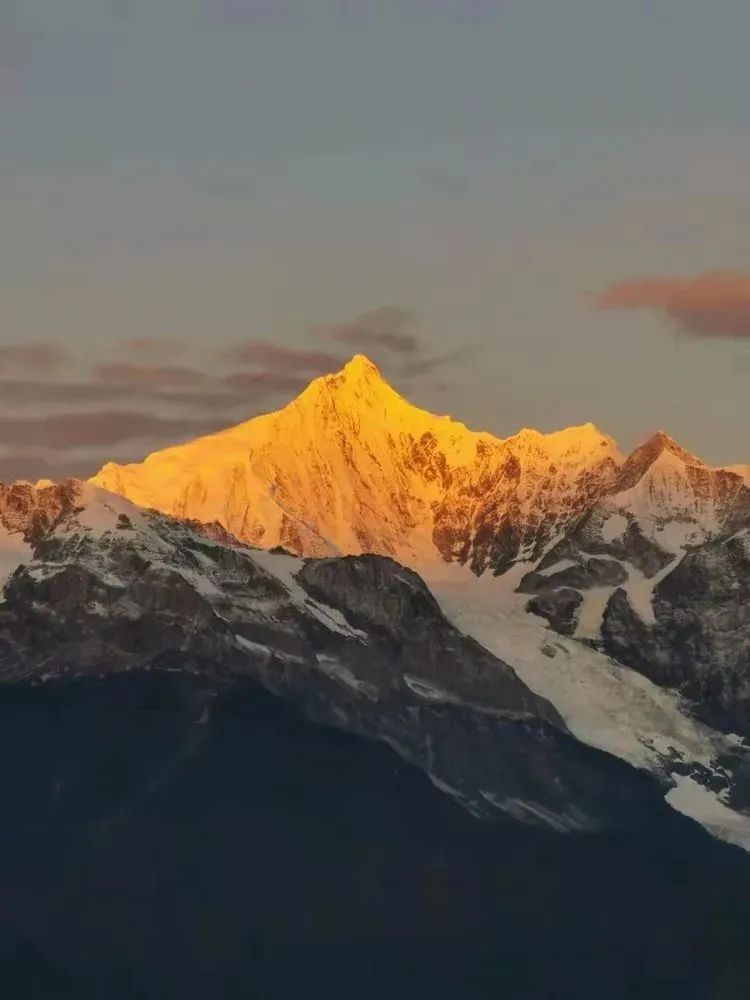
x,y
657,574
357,642
104,587
349,466
642,556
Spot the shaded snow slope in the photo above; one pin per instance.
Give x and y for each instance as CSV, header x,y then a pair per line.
x,y
604,703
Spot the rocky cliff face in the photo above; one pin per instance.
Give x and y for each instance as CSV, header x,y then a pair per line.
x,y
699,639
656,574
358,642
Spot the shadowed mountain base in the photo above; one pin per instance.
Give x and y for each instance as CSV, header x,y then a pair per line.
x,y
165,839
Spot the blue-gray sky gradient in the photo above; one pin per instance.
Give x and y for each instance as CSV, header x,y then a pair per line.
x,y
212,173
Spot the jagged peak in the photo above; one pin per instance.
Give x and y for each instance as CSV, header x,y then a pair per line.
x,y
657,446
586,438
359,366
660,442
358,382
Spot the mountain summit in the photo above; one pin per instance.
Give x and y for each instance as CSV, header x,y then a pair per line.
x,y
350,466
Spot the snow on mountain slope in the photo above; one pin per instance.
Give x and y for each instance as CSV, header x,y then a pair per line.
x,y
677,499
664,502
106,585
350,465
604,704
356,642
14,550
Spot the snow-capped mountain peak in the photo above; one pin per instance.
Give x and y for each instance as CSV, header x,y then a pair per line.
x,y
352,466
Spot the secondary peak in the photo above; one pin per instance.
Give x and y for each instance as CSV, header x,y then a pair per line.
x,y
661,441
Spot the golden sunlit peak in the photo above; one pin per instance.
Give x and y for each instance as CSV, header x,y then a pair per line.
x,y
360,367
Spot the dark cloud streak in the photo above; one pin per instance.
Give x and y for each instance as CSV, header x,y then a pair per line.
x,y
93,430
386,327
149,375
265,383
273,357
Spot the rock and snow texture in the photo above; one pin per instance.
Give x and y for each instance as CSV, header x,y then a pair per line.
x,y
358,642
350,464
351,467
657,574
608,705
644,560
361,642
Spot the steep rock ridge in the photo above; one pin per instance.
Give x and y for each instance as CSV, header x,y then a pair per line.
x,y
358,642
699,639
656,574
520,494
350,466
663,502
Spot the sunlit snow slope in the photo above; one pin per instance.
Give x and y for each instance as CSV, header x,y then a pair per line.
x,y
351,465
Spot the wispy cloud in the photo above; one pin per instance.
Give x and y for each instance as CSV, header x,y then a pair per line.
x,y
149,375
417,367
85,430
264,383
273,357
35,356
713,304
387,327
148,347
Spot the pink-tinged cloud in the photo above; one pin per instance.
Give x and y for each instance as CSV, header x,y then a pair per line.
x,y
149,375
273,357
35,356
386,327
713,304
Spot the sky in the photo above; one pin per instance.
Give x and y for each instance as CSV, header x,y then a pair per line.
x,y
528,213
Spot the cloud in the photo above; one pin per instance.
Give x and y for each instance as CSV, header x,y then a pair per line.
x,y
35,356
92,430
713,304
29,466
425,366
147,346
275,358
149,375
38,393
265,383
386,327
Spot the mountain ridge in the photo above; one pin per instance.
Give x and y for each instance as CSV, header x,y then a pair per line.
x,y
359,642
347,438
597,537
352,466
